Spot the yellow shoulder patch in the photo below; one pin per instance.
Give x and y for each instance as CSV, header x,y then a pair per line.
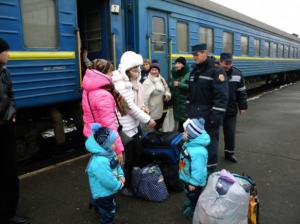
x,y
221,78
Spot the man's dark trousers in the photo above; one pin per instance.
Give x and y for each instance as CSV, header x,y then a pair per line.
x,y
212,148
9,186
229,125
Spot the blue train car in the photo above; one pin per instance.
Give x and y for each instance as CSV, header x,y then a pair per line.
x,y
47,38
167,29
43,54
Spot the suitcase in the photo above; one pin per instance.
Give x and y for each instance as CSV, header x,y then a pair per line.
x,y
163,148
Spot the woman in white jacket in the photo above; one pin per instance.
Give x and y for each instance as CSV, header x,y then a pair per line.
x,y
156,92
129,63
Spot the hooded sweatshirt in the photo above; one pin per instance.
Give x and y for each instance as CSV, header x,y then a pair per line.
x,y
103,179
102,104
193,170
122,83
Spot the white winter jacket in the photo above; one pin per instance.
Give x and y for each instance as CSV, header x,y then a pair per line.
x,y
131,121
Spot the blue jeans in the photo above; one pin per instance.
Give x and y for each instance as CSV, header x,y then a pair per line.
x,y
106,206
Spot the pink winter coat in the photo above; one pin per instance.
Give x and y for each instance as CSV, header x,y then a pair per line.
x,y
102,104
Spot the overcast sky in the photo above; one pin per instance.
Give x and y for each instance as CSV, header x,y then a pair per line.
x,y
283,15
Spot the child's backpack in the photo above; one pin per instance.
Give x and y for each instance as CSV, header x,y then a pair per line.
x,y
225,201
148,183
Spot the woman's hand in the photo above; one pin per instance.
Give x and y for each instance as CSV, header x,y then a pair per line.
x,y
120,159
151,123
167,98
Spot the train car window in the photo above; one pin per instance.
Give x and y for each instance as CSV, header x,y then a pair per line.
x,y
227,42
267,49
291,52
257,47
280,51
182,37
39,20
286,51
244,45
273,50
158,34
207,36
93,31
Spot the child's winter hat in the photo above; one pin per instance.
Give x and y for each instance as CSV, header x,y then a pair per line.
x,y
104,136
194,127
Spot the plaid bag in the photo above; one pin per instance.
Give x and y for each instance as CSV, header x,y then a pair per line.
x,y
148,183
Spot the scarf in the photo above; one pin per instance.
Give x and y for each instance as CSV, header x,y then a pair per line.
x,y
158,83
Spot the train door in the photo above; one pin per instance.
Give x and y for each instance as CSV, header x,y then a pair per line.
x,y
158,32
93,22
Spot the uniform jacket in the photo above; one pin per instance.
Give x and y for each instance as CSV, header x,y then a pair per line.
x,y
144,75
237,92
193,170
103,179
208,93
7,103
102,104
122,84
179,93
156,88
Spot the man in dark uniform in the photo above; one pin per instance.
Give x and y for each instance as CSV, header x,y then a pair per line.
x,y
237,102
208,98
9,187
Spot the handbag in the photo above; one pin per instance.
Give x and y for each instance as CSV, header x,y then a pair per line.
x,y
148,183
124,138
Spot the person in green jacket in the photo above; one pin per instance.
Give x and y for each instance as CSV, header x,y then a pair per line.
x,y
179,89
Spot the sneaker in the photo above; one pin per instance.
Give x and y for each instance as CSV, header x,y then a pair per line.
x,y
126,192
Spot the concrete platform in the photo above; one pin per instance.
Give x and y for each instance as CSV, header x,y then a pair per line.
x,y
268,143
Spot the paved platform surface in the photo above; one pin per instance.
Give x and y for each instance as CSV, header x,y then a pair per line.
x,y
268,149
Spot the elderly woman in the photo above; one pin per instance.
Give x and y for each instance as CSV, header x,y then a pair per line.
x,y
156,92
130,67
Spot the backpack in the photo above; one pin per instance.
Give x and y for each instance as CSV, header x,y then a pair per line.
x,y
148,183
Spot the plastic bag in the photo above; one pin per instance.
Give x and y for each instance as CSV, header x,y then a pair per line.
x,y
215,208
169,122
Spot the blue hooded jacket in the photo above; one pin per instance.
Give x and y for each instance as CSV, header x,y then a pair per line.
x,y
192,169
103,179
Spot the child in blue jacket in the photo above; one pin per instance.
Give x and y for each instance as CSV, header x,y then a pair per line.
x,y
105,174
193,162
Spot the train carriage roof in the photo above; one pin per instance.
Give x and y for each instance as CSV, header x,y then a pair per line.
x,y
215,7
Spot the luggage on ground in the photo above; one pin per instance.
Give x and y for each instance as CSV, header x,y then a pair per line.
x,y
148,183
226,199
163,148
